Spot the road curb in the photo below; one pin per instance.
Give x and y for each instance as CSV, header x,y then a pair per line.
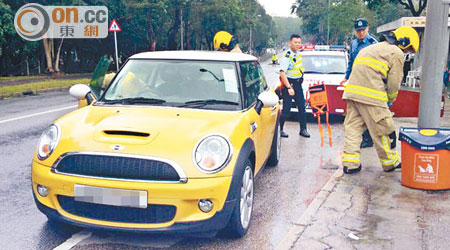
x,y
19,94
306,218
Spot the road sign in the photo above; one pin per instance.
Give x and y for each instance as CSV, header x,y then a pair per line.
x,y
114,26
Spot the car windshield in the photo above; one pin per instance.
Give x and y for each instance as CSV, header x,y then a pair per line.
x,y
180,83
324,64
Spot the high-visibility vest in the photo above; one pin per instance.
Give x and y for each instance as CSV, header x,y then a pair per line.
x,y
297,69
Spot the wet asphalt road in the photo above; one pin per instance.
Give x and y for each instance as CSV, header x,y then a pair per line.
x,y
281,193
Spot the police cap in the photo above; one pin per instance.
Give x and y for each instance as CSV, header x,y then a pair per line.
x,y
361,23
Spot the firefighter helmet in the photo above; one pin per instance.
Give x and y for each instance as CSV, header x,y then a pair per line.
x,y
224,41
407,37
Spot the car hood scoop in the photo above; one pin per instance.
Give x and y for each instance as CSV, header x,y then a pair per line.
x,y
126,133
124,129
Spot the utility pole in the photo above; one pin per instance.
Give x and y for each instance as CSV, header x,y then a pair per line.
x,y
250,45
251,27
28,67
328,23
436,41
182,31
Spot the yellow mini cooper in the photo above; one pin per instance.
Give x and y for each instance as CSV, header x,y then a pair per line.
x,y
172,144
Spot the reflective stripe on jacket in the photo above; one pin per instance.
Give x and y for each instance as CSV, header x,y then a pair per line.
x,y
376,75
295,69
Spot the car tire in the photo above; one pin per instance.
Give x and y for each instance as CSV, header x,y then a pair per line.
x,y
242,212
275,151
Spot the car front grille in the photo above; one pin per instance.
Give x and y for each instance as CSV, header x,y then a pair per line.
x,y
150,215
117,167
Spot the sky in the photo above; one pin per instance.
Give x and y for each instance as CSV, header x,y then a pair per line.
x,y
277,7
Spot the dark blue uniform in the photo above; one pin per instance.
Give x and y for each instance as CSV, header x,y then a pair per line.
x,y
355,47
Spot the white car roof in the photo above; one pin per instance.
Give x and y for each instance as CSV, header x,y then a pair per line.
x,y
195,55
322,53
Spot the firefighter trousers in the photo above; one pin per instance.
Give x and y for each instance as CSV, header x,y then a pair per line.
x,y
379,122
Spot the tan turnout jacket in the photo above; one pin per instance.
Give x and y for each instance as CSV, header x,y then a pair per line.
x,y
376,75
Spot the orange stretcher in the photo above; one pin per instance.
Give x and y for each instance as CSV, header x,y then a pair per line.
x,y
318,101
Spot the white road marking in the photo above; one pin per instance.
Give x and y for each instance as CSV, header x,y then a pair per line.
x,y
36,114
134,241
72,241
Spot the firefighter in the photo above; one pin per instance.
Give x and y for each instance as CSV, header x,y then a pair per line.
x,y
224,41
362,40
372,87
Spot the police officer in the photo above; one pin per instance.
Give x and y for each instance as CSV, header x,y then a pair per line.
x,y
373,87
224,41
291,76
362,40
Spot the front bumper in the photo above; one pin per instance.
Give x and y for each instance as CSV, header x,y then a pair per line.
x,y
213,224
184,196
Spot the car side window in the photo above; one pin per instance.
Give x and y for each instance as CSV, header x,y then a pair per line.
x,y
253,82
263,79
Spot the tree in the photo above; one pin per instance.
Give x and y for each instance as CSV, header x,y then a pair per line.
x,y
411,5
15,52
314,18
149,19
387,11
147,25
285,27
340,14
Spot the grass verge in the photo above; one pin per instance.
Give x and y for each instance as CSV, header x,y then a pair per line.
x,y
39,86
37,77
15,78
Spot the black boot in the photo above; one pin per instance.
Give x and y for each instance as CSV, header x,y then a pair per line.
x,y
304,133
367,140
351,171
394,168
366,143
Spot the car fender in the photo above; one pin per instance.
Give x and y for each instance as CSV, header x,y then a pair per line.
x,y
246,150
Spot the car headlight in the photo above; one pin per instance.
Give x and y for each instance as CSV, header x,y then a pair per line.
x,y
48,141
212,153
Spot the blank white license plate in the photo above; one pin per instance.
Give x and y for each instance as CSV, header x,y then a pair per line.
x,y
111,196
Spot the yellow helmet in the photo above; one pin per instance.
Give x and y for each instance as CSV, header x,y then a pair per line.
x,y
224,41
407,37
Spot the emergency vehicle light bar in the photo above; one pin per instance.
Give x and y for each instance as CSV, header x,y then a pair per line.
x,y
322,47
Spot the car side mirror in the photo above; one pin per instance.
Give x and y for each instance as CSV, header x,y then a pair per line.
x,y
266,99
81,92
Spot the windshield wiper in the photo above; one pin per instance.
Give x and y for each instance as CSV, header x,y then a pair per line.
x,y
313,72
335,72
208,102
135,100
214,75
